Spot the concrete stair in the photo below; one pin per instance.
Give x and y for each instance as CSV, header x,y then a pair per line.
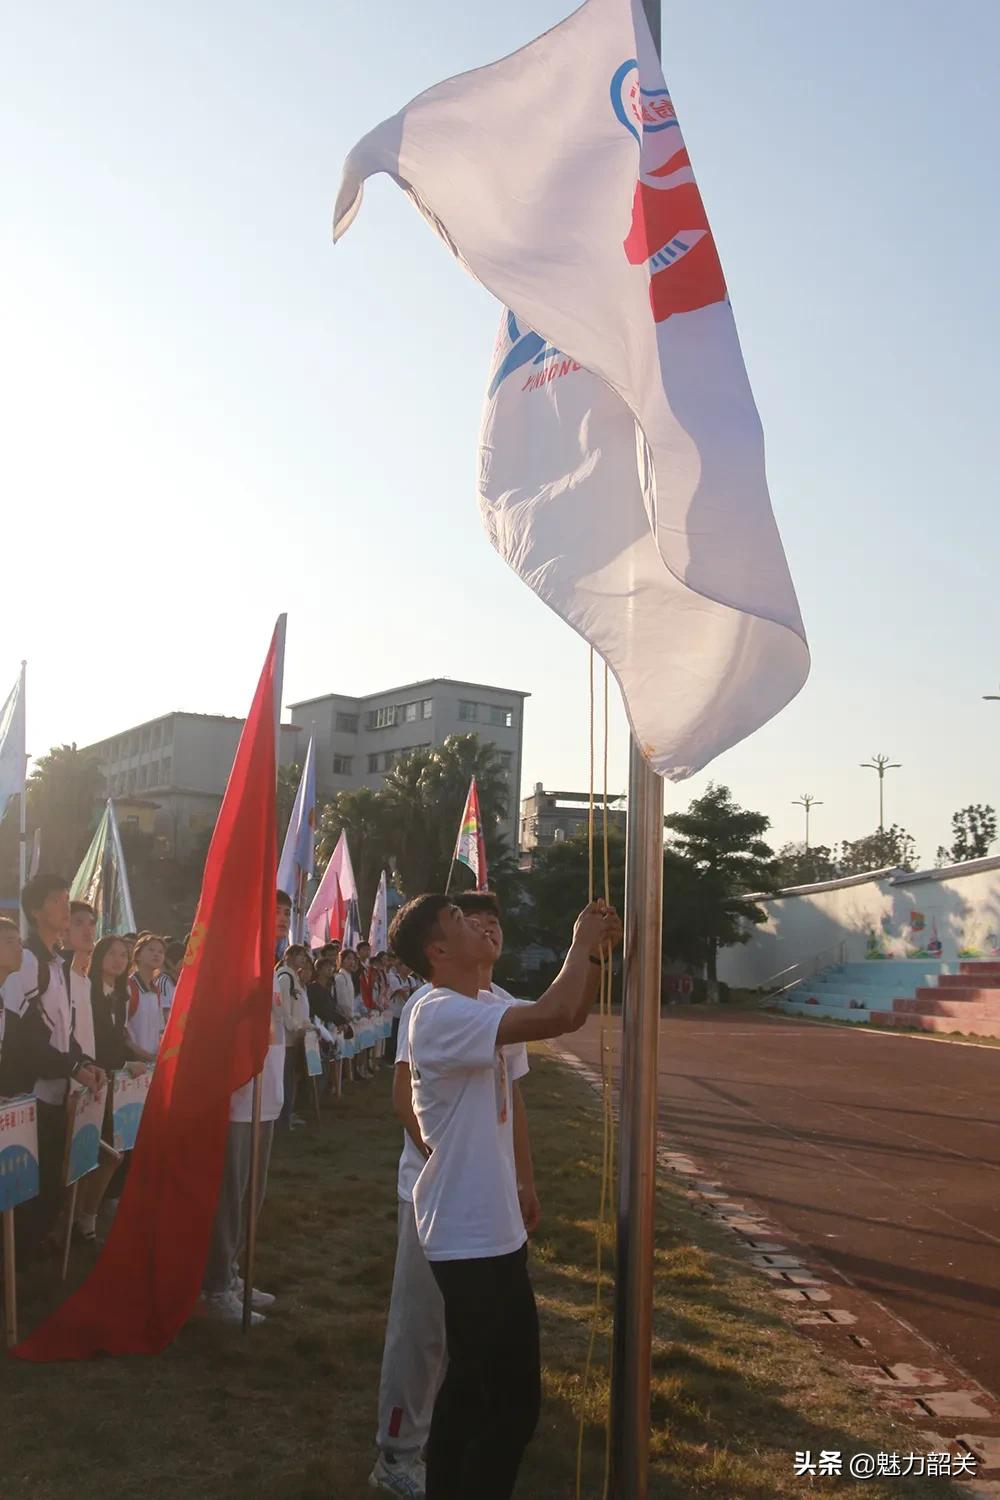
x,y
967,1002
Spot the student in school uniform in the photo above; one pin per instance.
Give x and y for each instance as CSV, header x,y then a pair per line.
x,y
144,1025
50,1052
468,1215
11,956
166,980
80,939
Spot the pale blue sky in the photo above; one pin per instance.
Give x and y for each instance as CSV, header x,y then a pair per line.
x,y
212,415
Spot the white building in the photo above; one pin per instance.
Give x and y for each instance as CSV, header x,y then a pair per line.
x,y
359,739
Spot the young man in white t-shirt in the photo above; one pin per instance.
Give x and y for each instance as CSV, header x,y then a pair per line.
x,y
222,1289
468,1215
413,1358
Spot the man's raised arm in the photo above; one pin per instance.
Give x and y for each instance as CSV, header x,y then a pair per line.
x,y
570,997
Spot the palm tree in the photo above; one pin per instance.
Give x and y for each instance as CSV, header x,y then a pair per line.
x,y
64,791
424,795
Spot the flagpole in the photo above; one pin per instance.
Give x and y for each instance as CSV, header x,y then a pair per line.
x,y
633,1314
22,847
253,1185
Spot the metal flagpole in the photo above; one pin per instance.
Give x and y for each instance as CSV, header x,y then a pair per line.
x,y
22,848
633,1322
253,1186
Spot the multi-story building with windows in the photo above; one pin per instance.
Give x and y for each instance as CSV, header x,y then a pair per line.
x,y
179,764
359,739
550,817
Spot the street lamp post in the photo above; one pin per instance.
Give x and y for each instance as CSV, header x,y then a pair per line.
x,y
808,801
881,764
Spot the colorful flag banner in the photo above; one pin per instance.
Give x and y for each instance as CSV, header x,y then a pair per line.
x,y
470,847
298,853
378,932
13,756
330,908
147,1280
102,878
621,456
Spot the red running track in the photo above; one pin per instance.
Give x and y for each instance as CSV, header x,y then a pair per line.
x,y
880,1152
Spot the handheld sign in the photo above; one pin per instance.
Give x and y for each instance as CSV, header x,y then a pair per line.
x,y
18,1151
314,1062
83,1138
128,1099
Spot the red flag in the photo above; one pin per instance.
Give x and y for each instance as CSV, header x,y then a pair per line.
x,y
146,1283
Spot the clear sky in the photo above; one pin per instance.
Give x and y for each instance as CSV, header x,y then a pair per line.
x,y
210,414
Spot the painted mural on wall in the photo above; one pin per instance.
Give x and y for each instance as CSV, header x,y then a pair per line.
x,y
915,936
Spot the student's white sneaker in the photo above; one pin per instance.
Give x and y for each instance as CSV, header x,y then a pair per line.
x,y
226,1307
400,1476
258,1298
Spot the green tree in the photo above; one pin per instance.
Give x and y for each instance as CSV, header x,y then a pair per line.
x,y
797,865
424,796
65,789
720,846
889,848
973,831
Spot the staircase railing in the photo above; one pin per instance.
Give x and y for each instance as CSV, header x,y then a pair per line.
x,y
805,968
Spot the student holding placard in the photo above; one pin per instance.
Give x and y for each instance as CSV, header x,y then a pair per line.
x,y
49,1050
11,955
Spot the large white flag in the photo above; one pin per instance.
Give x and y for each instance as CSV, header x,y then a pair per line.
x,y
12,750
621,460
378,932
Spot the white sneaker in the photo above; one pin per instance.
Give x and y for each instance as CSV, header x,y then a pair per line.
x,y
400,1476
226,1307
257,1297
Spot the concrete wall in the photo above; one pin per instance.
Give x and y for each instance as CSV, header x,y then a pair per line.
x,y
945,914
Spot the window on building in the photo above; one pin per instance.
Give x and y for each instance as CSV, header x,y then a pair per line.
x,y
347,723
372,763
410,712
503,717
469,712
427,707
341,765
385,717
506,759
167,768
130,781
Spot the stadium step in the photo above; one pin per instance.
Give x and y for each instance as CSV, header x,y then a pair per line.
x,y
986,979
927,1003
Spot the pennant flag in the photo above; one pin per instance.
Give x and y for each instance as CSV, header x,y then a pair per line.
x,y
298,854
148,1277
102,878
378,932
330,907
470,847
621,465
13,756
352,924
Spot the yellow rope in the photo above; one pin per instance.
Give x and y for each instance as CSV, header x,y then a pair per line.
x,y
607,1107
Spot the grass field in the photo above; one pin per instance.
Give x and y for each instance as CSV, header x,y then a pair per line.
x,y
289,1413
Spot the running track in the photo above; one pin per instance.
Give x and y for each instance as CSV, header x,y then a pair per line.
x,y
881,1153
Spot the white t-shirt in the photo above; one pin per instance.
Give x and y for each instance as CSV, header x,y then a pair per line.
x,y
465,1199
145,1021
272,1088
83,1012
412,1160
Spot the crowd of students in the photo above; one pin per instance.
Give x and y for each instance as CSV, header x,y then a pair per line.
x,y
460,1381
